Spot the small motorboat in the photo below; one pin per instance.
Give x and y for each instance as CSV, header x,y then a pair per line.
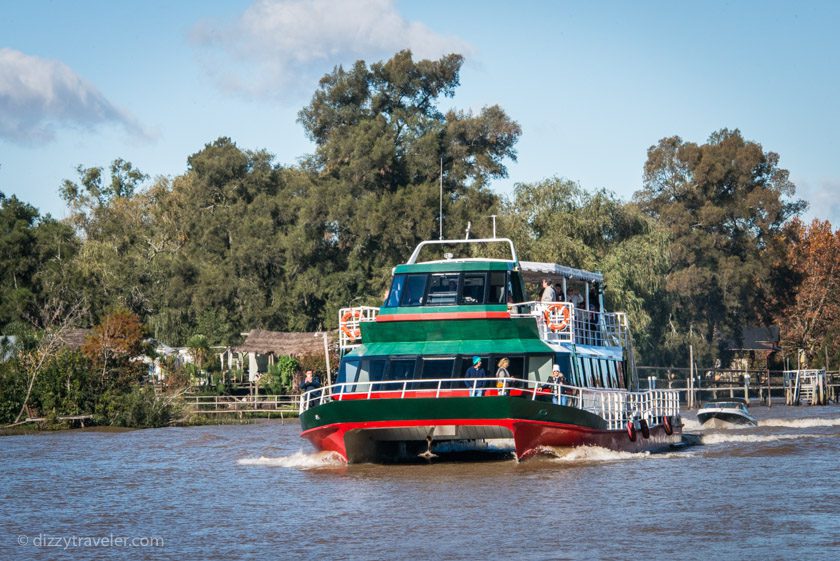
x,y
725,413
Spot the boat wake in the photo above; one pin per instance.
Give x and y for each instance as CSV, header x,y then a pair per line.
x,y
596,454
800,423
298,460
719,438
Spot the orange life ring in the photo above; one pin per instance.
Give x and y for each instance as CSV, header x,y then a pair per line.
x,y
352,334
565,317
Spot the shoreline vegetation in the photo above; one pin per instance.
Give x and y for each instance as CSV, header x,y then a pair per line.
x,y
710,244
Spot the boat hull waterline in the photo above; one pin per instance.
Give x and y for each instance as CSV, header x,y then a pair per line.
x,y
397,430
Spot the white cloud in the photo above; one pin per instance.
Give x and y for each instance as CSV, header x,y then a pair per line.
x,y
823,199
37,96
279,48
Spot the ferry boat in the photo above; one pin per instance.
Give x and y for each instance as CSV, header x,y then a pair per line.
x,y
403,387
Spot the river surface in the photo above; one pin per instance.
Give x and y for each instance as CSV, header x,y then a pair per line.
x,y
258,492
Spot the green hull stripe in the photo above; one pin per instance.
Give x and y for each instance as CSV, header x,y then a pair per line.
x,y
470,347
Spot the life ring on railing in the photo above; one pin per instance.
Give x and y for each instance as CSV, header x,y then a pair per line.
x,y
666,424
631,431
349,315
565,317
645,429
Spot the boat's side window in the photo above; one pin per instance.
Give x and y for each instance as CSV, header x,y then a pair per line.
x,y
472,291
415,286
619,371
436,368
401,369
497,288
348,374
394,295
539,368
443,289
514,287
613,378
372,370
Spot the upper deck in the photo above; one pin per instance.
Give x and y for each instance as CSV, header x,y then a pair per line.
x,y
488,287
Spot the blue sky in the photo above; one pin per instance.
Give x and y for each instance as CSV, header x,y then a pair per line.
x,y
592,84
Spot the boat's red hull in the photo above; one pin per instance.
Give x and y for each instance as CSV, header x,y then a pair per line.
x,y
528,435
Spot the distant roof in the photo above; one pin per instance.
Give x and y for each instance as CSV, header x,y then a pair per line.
x,y
532,270
74,337
758,339
285,343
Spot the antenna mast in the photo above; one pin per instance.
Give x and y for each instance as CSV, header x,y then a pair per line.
x,y
440,220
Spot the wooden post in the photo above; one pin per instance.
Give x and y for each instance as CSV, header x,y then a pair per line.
x,y
327,358
769,397
691,376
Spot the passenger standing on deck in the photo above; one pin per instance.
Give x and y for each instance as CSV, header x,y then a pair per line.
x,y
501,374
310,382
476,371
548,294
556,378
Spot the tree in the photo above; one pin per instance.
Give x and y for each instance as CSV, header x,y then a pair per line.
x,y
33,253
812,321
725,204
555,220
380,138
112,344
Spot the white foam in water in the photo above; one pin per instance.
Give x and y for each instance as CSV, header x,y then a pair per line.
x,y
691,424
800,423
298,460
583,454
718,438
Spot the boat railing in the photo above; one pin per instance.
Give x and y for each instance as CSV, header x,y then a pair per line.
x,y
562,322
349,325
616,407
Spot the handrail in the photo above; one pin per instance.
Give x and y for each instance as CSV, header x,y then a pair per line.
x,y
616,407
416,253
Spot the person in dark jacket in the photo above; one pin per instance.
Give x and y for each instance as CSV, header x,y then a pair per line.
x,y
310,382
476,371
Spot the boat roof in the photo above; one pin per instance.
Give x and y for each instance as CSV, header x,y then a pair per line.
x,y
534,270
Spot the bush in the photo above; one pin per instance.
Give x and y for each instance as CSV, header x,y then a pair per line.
x,y
12,390
281,375
139,408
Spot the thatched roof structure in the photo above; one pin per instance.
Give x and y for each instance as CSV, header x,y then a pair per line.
x,y
74,337
285,343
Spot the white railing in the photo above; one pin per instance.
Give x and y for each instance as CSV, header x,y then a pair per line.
x,y
564,323
616,407
349,325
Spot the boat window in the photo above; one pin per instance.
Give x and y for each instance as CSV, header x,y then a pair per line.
x,y
434,368
587,371
443,289
613,378
497,288
539,368
473,288
401,369
393,299
348,374
372,370
415,286
514,287
619,371
563,360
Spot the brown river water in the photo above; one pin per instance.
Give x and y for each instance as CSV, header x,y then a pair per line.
x,y
259,492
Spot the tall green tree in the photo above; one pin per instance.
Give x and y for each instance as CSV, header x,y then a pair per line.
x,y
380,139
725,204
556,220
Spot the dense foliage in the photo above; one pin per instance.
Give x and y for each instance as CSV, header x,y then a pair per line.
x,y
709,244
